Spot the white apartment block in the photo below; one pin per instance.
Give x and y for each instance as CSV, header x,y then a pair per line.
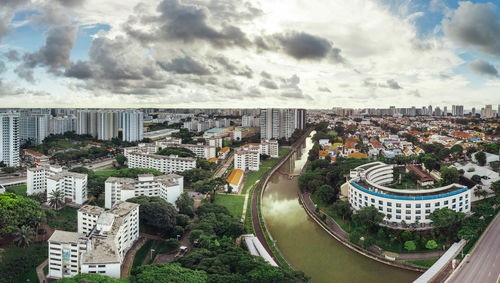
x,y
33,127
48,178
100,124
168,187
247,158
9,138
367,187
281,123
132,125
201,151
99,246
269,147
61,125
140,157
215,141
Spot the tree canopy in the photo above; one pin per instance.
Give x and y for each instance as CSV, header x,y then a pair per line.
x,y
17,211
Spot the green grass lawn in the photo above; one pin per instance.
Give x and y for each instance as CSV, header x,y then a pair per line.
x,y
19,190
15,267
105,172
142,253
233,202
425,263
253,176
64,219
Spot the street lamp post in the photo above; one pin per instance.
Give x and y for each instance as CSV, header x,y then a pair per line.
x,y
152,250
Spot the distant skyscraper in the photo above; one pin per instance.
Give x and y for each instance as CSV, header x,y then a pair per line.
x,y
430,112
487,112
445,111
100,124
281,123
473,112
9,138
61,125
457,110
131,125
33,127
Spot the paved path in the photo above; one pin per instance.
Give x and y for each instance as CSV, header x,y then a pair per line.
x,y
335,228
40,273
245,204
483,264
129,257
227,162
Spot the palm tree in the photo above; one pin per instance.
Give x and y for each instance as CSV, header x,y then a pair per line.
x,y
23,237
56,199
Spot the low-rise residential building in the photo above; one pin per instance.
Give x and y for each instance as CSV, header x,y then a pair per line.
x,y
99,246
247,158
34,157
223,152
168,187
49,178
144,157
368,187
201,151
234,179
214,141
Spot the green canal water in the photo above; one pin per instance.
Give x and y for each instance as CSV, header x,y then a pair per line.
x,y
306,245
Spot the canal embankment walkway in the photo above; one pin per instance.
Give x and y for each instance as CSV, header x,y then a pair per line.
x,y
257,195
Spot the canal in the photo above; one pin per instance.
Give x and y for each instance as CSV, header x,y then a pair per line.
x,y
306,245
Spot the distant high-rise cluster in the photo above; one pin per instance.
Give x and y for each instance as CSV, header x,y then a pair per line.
x,y
9,138
105,124
281,123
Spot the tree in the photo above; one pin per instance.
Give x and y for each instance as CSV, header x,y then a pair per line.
x,y
325,194
410,246
495,186
471,228
342,208
168,272
120,159
17,211
9,170
481,158
456,150
23,237
449,175
56,199
431,244
476,178
368,216
185,204
156,212
88,278
484,210
447,220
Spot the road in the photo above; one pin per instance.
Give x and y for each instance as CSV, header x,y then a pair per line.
x,y
483,265
227,162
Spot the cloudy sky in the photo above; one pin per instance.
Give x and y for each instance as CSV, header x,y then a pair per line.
x,y
267,53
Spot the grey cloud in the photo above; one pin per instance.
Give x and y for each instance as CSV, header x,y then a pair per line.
x,y
415,93
393,84
266,75
233,69
475,25
7,11
3,68
79,70
324,89
483,68
189,23
301,45
186,65
71,3
254,92
233,85
336,57
268,84
54,54
12,55
291,88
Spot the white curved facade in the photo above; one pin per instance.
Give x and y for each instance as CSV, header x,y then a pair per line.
x,y
366,188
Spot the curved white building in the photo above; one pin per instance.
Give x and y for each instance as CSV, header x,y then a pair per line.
x,y
367,188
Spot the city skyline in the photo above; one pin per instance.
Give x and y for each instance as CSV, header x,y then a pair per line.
x,y
182,54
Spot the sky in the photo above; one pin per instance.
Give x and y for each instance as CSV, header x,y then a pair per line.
x,y
244,54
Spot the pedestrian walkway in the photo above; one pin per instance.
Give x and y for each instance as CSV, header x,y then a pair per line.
x,y
40,273
337,230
